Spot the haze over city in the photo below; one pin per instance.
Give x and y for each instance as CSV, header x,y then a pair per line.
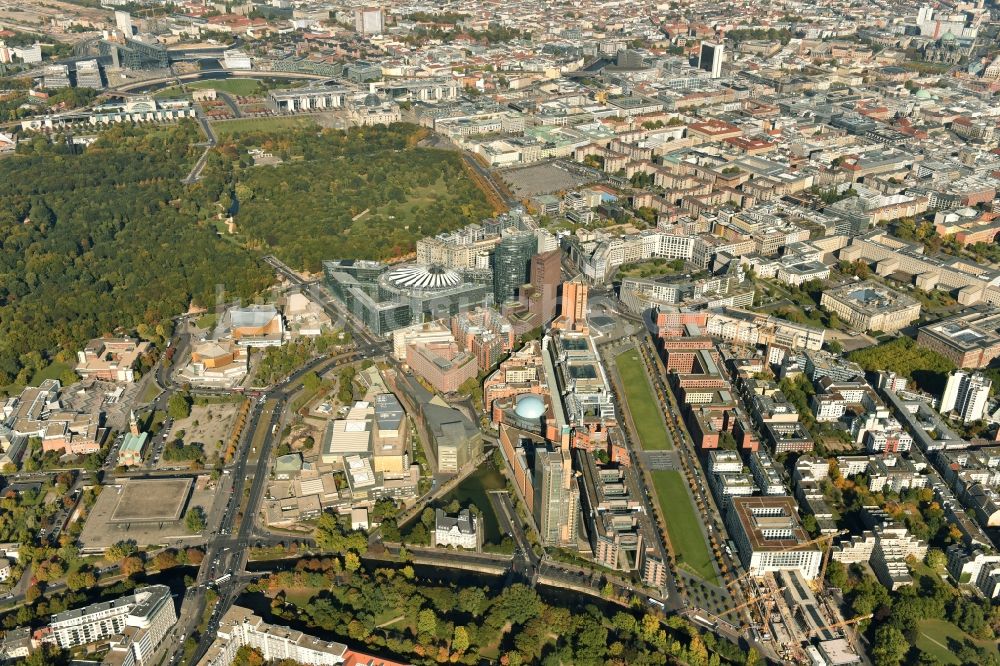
x,y
561,333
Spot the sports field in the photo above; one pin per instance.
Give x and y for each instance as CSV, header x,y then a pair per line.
x,y
683,527
642,405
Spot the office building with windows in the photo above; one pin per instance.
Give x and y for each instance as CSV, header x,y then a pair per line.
x,y
710,58
512,265
88,74
368,20
387,298
556,496
142,53
770,537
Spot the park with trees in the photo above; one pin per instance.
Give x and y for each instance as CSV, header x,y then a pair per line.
x,y
393,611
107,240
370,193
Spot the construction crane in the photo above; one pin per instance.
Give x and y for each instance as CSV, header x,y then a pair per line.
x,y
761,597
825,553
838,625
739,579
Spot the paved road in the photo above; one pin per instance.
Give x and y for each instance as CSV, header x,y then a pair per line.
x,y
228,548
526,561
199,166
490,179
231,103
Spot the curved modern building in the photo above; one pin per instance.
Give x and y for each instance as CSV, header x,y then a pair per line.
x,y
417,277
386,298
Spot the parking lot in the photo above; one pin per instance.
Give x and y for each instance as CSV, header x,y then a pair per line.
x,y
541,179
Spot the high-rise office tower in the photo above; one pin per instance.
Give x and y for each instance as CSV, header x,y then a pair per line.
x,y
123,21
368,20
546,274
511,265
556,496
573,307
710,59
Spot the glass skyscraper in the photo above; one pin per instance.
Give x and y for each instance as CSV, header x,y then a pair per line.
x,y
512,265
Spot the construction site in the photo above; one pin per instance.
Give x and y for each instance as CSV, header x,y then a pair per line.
x,y
796,619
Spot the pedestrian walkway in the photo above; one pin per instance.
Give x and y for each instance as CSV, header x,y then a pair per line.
x,y
660,461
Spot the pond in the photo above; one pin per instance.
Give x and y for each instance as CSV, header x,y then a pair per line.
x,y
473,490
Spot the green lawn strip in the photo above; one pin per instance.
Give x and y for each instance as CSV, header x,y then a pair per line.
x,y
230,127
642,405
239,87
689,545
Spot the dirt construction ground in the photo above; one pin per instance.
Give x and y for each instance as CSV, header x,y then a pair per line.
x,y
215,422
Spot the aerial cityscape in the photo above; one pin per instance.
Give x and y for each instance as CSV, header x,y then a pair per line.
x,y
572,333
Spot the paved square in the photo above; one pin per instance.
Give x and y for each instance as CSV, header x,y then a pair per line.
x,y
151,500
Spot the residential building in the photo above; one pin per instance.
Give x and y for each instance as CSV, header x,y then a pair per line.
x,y
886,549
241,627
137,623
880,432
966,394
975,567
16,644
485,334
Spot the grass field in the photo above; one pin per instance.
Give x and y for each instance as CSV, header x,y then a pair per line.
x,y
934,635
231,127
173,92
642,403
240,87
686,537
149,393
53,371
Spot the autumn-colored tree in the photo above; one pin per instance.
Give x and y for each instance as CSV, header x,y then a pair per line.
x,y
165,560
460,641
351,562
131,566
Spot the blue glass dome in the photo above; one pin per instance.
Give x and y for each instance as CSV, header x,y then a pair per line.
x,y
530,406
